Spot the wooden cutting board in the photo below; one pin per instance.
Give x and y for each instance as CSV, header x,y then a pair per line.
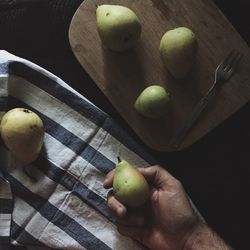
x,y
122,76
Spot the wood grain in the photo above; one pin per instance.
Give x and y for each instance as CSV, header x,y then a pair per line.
x,y
122,76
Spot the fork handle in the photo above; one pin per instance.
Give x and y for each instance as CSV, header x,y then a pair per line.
x,y
200,106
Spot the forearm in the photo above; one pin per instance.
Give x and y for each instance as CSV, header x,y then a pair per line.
x,y
204,238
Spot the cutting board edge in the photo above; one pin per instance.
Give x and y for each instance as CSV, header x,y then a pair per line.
x,y
167,149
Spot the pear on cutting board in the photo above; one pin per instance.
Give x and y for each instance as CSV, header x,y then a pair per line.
x,y
118,26
22,132
178,50
129,185
153,102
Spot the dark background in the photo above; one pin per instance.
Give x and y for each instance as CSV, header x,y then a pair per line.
x,y
214,171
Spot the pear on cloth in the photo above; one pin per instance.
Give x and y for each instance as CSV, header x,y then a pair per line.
x,y
22,132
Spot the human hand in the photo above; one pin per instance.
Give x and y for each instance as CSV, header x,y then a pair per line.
x,y
166,221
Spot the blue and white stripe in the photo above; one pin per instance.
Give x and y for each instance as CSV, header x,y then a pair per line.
x,y
6,201
64,206
6,207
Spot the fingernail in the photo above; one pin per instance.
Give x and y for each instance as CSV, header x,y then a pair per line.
x,y
104,182
121,211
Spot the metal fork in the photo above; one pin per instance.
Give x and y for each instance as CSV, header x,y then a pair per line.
x,y
222,73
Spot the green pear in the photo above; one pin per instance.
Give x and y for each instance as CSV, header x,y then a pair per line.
x,y
22,132
178,50
118,26
153,102
129,185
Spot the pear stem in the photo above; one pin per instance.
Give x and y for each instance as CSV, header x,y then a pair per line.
x,y
119,159
96,4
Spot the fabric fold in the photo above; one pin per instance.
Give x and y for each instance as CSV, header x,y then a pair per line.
x,y
6,209
61,202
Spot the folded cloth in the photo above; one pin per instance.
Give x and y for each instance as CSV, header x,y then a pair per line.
x,y
59,201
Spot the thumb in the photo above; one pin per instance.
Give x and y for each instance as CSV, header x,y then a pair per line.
x,y
157,176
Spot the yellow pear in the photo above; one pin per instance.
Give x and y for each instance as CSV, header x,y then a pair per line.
x,y
129,185
118,26
178,50
153,102
22,132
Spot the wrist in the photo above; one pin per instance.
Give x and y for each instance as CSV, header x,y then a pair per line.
x,y
204,238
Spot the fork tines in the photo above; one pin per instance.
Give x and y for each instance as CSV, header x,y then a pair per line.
x,y
232,60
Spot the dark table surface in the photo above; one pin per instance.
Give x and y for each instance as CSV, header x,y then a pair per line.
x,y
214,171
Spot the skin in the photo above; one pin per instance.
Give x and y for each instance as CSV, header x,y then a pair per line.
x,y
167,221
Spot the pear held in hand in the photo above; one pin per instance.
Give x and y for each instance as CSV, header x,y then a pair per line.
x,y
178,50
118,26
22,132
153,102
129,185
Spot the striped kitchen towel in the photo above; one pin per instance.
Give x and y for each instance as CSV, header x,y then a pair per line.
x,y
60,202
